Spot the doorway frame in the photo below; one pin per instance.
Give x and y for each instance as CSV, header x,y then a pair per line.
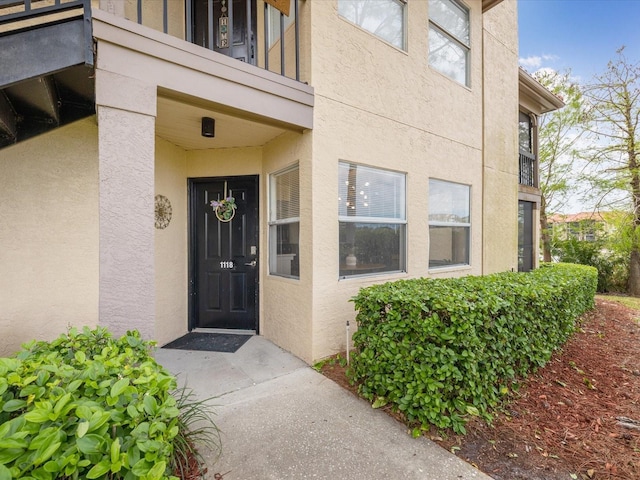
x,y
192,305
531,230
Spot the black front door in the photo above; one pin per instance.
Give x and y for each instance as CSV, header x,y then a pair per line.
x,y
224,271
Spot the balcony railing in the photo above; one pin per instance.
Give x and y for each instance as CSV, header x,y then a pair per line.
x,y
26,26
47,79
528,169
16,10
231,27
268,39
21,15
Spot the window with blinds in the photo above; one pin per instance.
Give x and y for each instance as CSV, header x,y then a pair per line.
x,y
372,220
284,223
449,223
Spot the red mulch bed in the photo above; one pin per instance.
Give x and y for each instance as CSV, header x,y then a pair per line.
x,y
192,470
578,417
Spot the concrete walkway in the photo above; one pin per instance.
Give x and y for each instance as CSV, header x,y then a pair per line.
x,y
280,419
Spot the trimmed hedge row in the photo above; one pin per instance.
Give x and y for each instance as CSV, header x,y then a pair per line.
x,y
87,406
440,350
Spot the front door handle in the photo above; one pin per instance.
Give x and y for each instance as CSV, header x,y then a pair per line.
x,y
252,263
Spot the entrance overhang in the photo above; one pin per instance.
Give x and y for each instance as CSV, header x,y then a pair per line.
x,y
200,77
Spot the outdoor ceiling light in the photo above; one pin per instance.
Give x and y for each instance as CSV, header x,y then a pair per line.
x,y
208,127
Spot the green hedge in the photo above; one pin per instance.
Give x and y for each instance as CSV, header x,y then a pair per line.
x,y
86,406
440,350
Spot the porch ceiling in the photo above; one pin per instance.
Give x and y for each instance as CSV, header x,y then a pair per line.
x,y
180,123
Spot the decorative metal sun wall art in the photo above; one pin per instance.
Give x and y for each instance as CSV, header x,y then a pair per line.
x,y
163,212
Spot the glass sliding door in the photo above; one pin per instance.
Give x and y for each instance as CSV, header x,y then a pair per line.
x,y
526,260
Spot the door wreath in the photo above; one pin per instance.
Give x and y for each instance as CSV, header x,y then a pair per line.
x,y
224,209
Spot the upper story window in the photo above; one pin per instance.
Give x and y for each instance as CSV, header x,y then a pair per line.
x,y
383,18
449,224
449,43
284,223
525,133
372,220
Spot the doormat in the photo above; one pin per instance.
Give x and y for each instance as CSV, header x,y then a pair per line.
x,y
209,342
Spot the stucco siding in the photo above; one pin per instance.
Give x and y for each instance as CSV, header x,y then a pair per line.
x,y
286,314
358,69
346,134
500,215
383,107
224,161
171,244
49,235
126,172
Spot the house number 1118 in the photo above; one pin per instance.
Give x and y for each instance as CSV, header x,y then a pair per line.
x,y
226,264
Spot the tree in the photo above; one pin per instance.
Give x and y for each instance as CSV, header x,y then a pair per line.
x,y
558,141
614,97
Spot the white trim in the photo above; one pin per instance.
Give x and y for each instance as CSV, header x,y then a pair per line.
x,y
358,219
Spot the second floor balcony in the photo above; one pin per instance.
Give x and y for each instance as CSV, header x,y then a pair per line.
x,y
251,31
535,100
240,56
261,33
528,169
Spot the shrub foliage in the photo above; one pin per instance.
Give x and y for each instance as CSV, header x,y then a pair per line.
x,y
612,265
86,406
439,350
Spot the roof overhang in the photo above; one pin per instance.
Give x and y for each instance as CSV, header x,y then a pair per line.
x,y
489,4
534,96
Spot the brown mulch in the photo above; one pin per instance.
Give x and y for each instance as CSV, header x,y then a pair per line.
x,y
576,418
189,467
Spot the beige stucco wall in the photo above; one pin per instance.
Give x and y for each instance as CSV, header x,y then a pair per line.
x,y
49,235
126,146
224,161
500,138
171,244
384,107
352,66
152,13
286,303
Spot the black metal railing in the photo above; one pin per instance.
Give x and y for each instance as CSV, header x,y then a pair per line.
x,y
251,16
19,16
528,165
15,11
13,14
12,11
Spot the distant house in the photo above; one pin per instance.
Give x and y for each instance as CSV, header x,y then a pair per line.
x,y
583,226
361,142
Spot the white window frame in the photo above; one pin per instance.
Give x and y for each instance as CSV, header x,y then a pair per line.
x,y
466,47
403,5
453,224
274,222
361,219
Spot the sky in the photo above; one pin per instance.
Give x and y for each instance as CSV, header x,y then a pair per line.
x,y
581,35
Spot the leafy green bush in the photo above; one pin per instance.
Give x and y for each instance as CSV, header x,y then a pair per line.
x,y
439,350
612,266
87,406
